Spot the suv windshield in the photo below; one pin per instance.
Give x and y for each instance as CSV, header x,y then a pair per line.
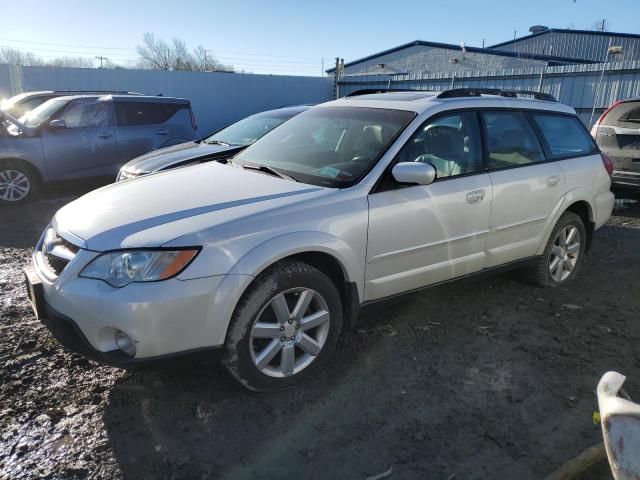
x,y
328,146
248,130
41,114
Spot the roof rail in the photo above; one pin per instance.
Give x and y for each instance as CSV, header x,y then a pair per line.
x,y
369,91
476,92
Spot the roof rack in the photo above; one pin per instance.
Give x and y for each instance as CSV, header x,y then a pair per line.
x,y
370,91
476,92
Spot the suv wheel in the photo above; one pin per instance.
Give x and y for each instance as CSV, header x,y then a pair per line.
x,y
564,252
285,326
17,183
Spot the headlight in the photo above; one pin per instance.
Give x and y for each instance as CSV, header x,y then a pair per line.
x,y
124,267
128,175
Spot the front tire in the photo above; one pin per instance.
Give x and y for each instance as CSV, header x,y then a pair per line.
x,y
285,326
18,183
564,252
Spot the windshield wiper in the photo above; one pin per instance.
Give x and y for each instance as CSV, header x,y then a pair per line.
x,y
218,142
268,170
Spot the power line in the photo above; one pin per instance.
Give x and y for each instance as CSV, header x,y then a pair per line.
x,y
231,52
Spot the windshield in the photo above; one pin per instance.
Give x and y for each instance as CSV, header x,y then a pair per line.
x,y
8,103
248,130
328,146
41,114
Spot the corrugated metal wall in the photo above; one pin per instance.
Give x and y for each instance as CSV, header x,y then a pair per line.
x,y
217,98
575,85
584,46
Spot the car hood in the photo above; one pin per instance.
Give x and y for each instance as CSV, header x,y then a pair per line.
x,y
175,155
152,210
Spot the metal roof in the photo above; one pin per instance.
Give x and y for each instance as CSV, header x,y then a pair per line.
x,y
567,30
449,46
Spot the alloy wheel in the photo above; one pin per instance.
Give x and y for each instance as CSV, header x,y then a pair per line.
x,y
564,253
289,332
14,185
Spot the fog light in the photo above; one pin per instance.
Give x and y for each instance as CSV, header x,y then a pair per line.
x,y
125,343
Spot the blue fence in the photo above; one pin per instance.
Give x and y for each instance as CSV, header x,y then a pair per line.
x,y
217,98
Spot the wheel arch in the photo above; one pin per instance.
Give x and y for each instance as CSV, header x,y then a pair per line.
x,y
329,254
578,201
13,161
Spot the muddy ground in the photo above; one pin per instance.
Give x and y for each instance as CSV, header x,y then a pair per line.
x,y
491,378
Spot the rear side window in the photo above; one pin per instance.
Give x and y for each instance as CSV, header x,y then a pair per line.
x,y
511,141
145,113
565,136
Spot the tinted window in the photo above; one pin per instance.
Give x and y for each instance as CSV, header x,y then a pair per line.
x,y
564,135
625,112
87,114
329,146
145,113
451,144
510,140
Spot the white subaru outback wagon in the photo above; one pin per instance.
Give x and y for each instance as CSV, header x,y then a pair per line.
x,y
270,255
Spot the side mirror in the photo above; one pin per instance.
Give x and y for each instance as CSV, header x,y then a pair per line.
x,y
58,124
417,173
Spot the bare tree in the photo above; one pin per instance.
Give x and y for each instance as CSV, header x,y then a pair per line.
x,y
14,56
601,25
72,62
156,54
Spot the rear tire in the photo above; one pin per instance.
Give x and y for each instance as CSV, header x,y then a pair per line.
x,y
564,252
19,182
284,328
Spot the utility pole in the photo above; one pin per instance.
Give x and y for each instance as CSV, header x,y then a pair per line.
x,y
483,42
205,67
101,58
322,68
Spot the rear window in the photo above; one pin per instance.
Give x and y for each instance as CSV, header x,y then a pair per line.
x,y
146,113
629,112
565,136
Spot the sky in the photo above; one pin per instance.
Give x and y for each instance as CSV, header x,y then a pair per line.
x,y
289,37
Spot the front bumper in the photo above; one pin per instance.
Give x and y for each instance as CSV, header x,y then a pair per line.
x,y
163,318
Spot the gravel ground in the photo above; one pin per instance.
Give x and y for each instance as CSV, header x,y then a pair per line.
x,y
490,378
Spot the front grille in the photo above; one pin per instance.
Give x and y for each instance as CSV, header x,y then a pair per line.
x,y
56,251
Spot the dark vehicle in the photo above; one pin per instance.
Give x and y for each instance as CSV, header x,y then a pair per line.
x,y
617,133
22,103
223,144
83,136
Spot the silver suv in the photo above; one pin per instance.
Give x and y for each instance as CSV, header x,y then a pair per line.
x,y
86,136
271,255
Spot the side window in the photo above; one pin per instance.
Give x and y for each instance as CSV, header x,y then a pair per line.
x,y
565,136
145,113
450,143
510,140
83,114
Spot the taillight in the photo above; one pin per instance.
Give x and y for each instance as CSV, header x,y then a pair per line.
x,y
608,164
193,120
594,129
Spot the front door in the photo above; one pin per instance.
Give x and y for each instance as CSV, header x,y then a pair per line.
x,y
85,144
423,234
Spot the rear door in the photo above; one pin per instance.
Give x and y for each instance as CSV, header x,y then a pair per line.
x,y
143,126
618,136
526,187
86,146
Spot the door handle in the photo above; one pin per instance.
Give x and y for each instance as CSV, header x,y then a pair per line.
x,y
161,132
475,196
553,180
105,135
